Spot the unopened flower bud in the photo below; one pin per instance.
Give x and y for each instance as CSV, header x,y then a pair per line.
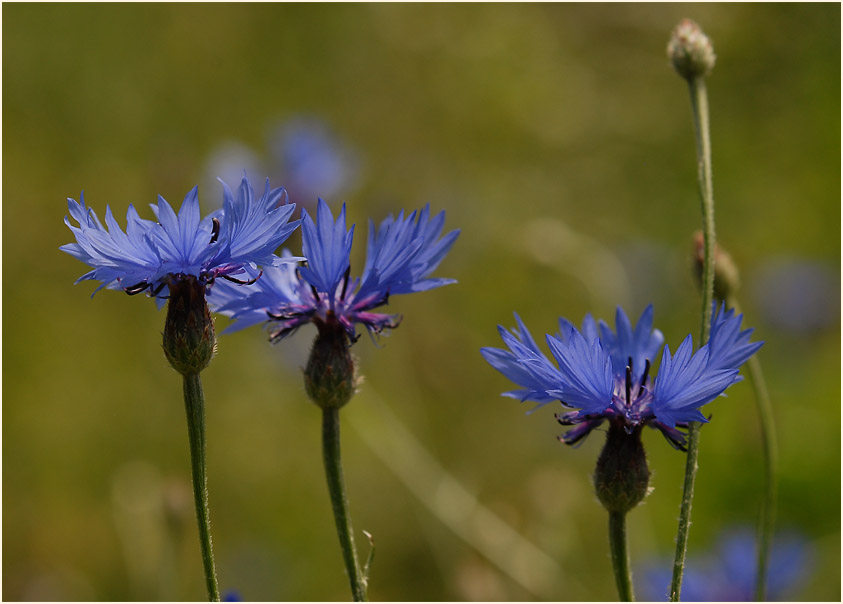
x,y
726,275
329,377
622,477
189,340
690,50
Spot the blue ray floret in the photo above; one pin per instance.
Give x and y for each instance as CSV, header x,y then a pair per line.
x,y
401,254
242,235
605,375
525,365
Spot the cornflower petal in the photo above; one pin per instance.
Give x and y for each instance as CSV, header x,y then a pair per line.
x,y
388,250
167,237
685,383
401,253
82,214
189,218
388,254
432,251
431,262
729,347
588,331
247,304
327,247
640,345
185,247
586,371
575,436
112,254
253,229
523,364
589,328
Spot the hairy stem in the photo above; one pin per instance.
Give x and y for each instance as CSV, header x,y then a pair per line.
x,y
339,501
699,106
194,404
620,555
767,518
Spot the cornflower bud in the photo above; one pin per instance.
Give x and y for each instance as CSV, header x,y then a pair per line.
x,y
690,50
726,276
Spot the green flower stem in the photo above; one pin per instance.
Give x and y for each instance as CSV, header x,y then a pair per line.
x,y
339,502
699,106
620,555
767,518
194,404
685,511
768,505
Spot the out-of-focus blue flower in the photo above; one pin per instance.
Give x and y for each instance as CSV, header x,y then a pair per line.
x,y
312,159
728,572
150,255
401,254
605,375
798,295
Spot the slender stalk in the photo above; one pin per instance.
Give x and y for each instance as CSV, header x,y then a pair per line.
x,y
699,106
194,404
620,555
339,501
767,517
685,511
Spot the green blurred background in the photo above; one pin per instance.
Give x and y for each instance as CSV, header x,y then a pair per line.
x,y
559,140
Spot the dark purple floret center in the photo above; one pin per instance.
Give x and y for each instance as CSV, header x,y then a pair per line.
x,y
631,408
632,400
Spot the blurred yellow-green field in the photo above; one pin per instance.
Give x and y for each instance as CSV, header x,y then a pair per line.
x,y
559,139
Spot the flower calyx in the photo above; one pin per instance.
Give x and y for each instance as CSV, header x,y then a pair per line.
x,y
330,378
622,477
189,338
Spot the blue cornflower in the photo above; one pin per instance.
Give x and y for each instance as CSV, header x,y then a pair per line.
x,y
401,254
154,255
606,375
313,158
728,572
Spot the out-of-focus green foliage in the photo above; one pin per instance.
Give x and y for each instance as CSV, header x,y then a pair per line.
x,y
557,137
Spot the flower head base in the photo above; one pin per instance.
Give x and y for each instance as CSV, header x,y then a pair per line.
x,y
622,477
150,255
189,340
603,375
330,378
401,254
